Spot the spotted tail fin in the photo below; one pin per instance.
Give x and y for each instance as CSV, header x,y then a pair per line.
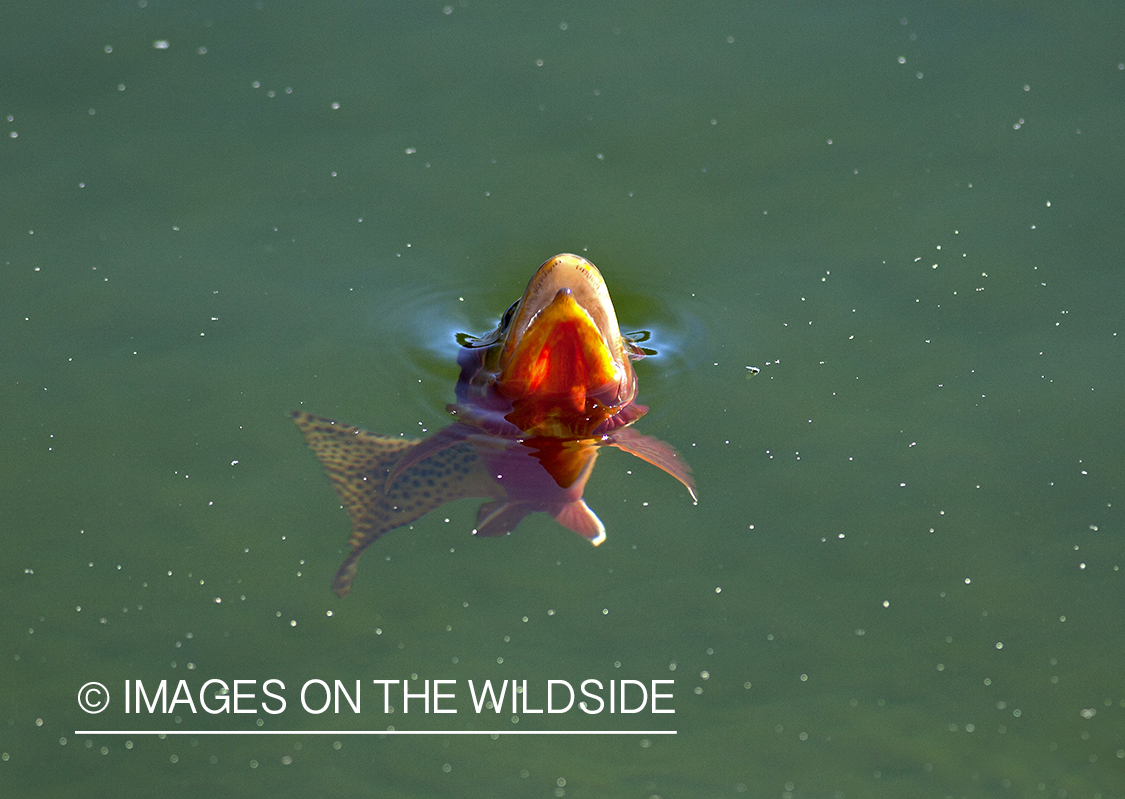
x,y
358,462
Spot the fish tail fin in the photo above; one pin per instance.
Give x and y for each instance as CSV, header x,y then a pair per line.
x,y
358,463
578,517
342,582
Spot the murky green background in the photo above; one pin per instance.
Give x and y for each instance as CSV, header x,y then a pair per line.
x,y
905,573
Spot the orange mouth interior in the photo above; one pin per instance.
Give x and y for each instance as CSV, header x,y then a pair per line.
x,y
559,368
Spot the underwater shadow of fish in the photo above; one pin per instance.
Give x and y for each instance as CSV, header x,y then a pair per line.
x,y
537,398
359,464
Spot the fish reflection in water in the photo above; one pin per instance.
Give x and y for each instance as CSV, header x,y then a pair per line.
x,y
536,400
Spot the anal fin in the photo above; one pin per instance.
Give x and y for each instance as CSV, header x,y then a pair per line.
x,y
578,517
501,517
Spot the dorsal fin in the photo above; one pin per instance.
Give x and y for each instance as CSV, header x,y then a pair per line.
x,y
443,439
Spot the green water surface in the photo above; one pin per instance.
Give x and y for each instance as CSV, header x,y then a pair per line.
x,y
904,576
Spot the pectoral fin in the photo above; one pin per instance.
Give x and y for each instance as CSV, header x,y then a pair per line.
x,y
654,451
358,463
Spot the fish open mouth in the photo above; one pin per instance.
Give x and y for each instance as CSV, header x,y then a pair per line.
x,y
564,344
581,280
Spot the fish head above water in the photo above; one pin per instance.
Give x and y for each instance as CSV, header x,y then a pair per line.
x,y
557,366
537,399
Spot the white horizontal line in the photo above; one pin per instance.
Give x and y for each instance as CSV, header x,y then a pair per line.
x,y
375,732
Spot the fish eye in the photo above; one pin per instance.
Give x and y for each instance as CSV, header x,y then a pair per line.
x,y
509,314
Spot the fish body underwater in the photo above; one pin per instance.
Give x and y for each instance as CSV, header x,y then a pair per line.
x,y
536,399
